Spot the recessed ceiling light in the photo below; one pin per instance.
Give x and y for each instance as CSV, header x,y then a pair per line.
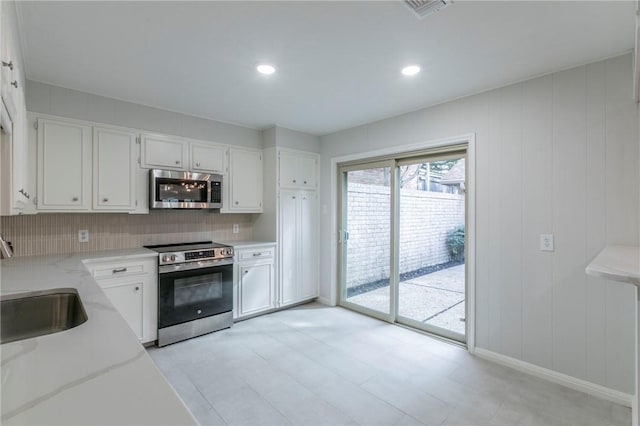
x,y
266,69
411,70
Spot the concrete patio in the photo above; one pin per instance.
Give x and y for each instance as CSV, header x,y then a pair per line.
x,y
436,299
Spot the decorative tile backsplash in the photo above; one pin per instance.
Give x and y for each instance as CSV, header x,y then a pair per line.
x,y
55,233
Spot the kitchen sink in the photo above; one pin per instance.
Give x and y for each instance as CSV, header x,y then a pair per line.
x,y
32,314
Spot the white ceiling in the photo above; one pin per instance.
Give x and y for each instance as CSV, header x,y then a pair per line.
x,y
338,63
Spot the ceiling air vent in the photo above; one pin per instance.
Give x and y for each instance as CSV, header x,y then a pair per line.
x,y
424,8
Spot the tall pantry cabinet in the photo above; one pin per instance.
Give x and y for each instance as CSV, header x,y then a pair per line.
x,y
291,218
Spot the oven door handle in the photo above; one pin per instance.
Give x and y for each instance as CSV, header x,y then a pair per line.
x,y
189,266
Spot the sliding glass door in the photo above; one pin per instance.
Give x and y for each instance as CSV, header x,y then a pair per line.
x,y
366,237
403,240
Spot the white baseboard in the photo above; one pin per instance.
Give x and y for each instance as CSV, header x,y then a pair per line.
x,y
324,301
559,378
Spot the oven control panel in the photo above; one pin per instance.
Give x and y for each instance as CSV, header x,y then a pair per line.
x,y
196,255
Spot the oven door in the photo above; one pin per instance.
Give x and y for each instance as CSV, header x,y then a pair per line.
x,y
187,295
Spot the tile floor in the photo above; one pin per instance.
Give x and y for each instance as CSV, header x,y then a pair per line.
x,y
319,365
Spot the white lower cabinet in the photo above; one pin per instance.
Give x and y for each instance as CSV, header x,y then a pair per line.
x,y
255,288
298,246
127,297
132,288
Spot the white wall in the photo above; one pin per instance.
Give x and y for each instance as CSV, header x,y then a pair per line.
x,y
287,138
48,99
557,154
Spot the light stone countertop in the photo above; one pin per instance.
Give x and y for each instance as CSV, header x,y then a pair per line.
x,y
247,244
95,373
617,263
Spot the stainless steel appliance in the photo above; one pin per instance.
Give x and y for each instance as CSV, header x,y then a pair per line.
x,y
195,290
184,190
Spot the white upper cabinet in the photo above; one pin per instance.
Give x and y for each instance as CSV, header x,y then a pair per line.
x,y
208,158
14,192
64,165
114,169
298,170
245,181
164,152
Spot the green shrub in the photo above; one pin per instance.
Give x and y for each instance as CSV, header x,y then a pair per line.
x,y
455,243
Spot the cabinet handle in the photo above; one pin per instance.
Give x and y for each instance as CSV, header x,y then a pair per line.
x,y
14,83
197,164
137,288
105,200
74,199
178,162
257,254
25,193
8,64
117,271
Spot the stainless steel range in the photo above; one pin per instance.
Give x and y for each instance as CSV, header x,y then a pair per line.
x,y
195,290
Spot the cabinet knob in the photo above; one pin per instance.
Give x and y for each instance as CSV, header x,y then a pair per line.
x,y
236,203
105,200
137,288
8,64
178,162
74,199
305,182
245,271
197,164
14,83
294,181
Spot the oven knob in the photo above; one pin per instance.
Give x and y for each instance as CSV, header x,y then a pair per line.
x,y
174,257
199,311
165,258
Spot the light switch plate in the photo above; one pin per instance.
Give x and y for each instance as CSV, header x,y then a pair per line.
x,y
546,242
83,236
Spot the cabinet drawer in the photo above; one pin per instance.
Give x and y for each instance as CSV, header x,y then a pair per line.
x,y
256,254
117,270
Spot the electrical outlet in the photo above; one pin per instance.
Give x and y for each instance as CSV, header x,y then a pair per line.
x,y
546,242
236,228
83,236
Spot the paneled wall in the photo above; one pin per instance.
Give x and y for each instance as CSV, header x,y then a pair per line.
x,y
55,233
557,154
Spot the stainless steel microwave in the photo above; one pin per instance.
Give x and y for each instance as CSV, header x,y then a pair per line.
x,y
184,190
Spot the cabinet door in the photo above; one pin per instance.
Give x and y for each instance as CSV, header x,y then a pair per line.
x,y
307,172
245,180
163,152
288,247
308,245
209,158
64,165
256,290
127,299
114,169
288,170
